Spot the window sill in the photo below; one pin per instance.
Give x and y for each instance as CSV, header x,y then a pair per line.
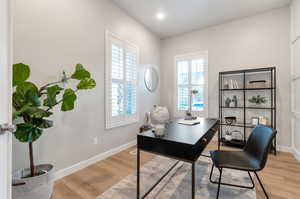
x,y
111,125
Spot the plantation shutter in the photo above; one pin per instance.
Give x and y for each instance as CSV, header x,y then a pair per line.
x,y
131,80
117,75
121,81
183,84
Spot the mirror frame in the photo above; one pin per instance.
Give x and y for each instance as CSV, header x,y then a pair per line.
x,y
153,70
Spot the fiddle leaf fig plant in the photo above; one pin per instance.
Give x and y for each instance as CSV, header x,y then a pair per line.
x,y
34,105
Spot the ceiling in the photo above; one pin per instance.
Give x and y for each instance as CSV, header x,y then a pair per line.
x,y
187,15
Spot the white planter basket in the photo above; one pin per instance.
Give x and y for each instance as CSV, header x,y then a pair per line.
x,y
38,187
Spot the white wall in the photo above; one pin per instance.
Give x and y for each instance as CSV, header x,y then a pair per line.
x,y
52,36
257,41
295,71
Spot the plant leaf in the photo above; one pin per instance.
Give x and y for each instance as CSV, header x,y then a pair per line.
x,y
52,92
69,99
21,73
35,112
26,86
42,123
86,83
80,73
25,93
33,98
18,100
20,111
27,132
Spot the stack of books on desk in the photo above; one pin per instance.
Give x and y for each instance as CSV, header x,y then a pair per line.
x,y
189,122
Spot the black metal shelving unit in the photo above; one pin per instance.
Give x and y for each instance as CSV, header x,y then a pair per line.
x,y
271,89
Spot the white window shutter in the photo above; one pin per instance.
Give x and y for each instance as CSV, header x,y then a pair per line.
x,y
131,78
117,99
117,62
183,98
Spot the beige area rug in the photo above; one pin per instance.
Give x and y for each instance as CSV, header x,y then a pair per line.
x,y
177,184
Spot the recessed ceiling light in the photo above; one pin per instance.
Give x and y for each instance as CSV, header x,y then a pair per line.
x,y
160,16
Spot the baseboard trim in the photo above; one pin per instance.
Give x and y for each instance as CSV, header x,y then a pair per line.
x,y
285,149
83,164
296,154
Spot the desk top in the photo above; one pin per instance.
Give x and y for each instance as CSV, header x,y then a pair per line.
x,y
184,134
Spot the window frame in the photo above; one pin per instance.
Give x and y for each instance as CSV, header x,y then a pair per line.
x,y
124,119
189,57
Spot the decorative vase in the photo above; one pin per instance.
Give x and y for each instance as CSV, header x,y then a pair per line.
x,y
232,104
159,115
235,101
227,102
159,130
37,187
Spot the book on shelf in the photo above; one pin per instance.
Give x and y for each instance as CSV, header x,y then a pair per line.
x,y
233,84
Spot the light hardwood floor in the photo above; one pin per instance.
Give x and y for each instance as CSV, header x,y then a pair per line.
x,y
281,176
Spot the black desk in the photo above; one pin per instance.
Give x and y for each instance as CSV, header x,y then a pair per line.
x,y
181,142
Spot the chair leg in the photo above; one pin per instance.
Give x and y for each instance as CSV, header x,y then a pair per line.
x,y
219,184
253,184
211,172
233,185
261,185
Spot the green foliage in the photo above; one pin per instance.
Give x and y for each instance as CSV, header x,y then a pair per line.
x,y
52,92
20,111
34,104
27,132
26,93
27,102
42,123
69,98
257,100
86,83
35,112
80,73
21,73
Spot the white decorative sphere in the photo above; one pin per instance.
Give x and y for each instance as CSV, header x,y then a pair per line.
x,y
159,115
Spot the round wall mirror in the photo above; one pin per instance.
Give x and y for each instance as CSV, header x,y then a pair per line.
x,y
151,79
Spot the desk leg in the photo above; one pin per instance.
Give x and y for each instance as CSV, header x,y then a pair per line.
x,y
193,180
138,174
219,137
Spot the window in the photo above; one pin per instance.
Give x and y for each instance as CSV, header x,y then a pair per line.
x,y
191,74
121,81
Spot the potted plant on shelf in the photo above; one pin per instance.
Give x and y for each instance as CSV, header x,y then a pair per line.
x,y
257,100
32,107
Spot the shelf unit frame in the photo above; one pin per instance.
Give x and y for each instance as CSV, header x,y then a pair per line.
x,y
244,108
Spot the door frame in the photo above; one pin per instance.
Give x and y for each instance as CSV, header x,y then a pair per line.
x,y
5,97
295,40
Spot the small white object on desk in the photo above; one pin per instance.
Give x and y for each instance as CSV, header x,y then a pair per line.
x,y
189,122
159,130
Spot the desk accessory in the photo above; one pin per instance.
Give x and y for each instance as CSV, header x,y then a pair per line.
x,y
189,115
